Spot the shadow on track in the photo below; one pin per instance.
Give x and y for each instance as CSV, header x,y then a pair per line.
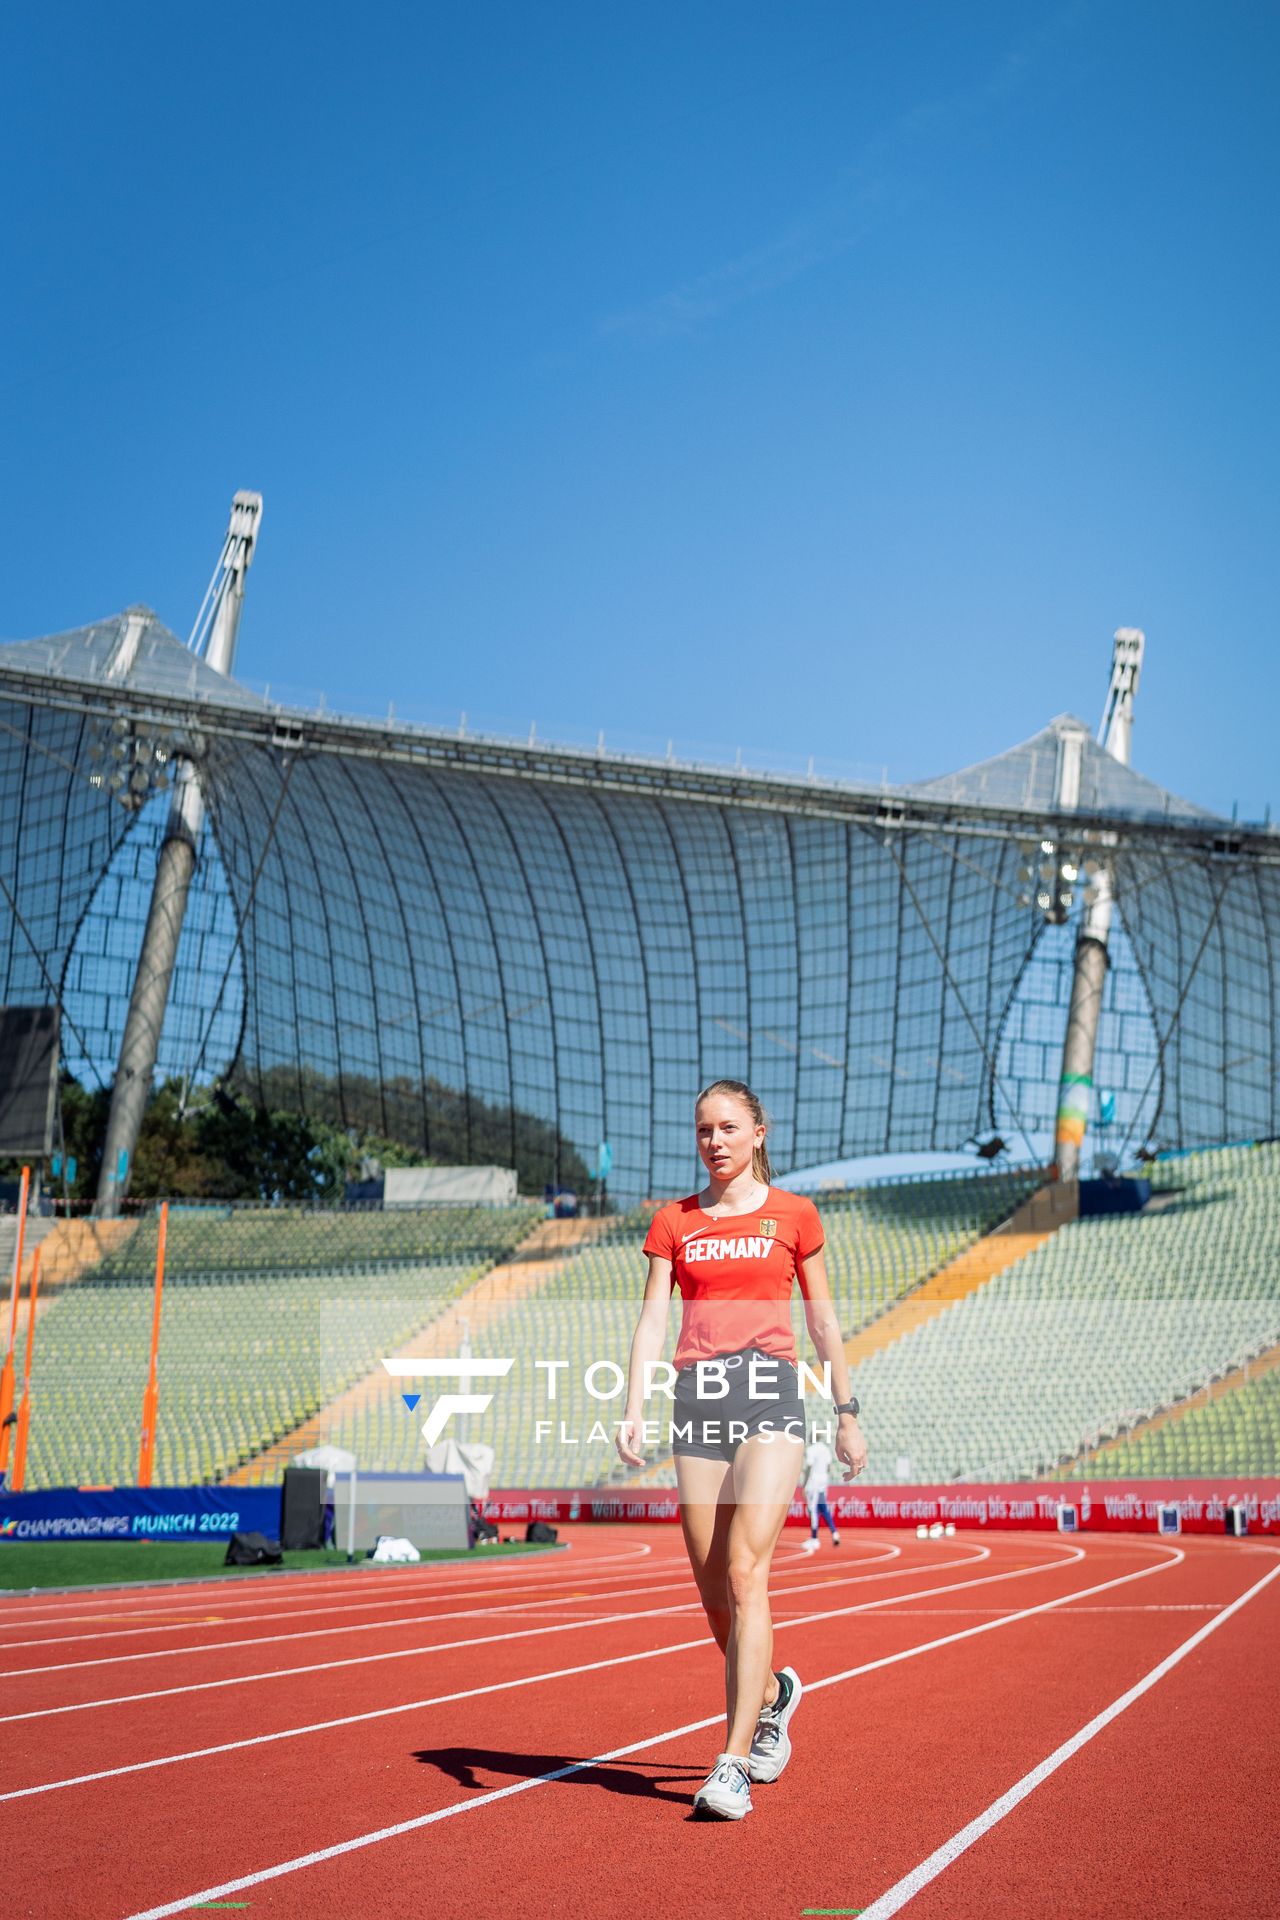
x,y
460,1763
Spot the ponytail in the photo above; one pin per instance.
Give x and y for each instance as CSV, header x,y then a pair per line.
x,y
738,1090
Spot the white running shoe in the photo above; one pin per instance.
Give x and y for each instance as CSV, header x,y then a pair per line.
x,y
725,1794
771,1745
810,1546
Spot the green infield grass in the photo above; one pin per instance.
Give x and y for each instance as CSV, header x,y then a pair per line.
x,y
25,1564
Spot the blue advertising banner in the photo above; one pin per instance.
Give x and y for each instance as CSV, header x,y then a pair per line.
x,y
139,1513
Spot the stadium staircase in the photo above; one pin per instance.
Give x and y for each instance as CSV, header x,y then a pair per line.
x,y
357,1418
956,1281
1232,1426
68,1248
1108,1323
881,1241
269,1315
37,1231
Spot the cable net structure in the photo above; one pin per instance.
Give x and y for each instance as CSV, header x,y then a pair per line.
x,y
393,925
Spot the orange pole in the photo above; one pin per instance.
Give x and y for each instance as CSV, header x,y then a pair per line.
x,y
151,1398
24,1409
6,1372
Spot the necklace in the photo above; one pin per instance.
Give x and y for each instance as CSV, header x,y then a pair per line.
x,y
755,1206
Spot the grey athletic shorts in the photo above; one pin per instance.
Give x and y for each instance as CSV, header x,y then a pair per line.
x,y
714,1425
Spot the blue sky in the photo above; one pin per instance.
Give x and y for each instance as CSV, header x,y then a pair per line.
x,y
823,379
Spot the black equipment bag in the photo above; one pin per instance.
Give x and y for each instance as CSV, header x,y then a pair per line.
x,y
539,1530
481,1529
252,1550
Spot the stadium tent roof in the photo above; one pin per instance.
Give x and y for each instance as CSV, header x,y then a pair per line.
x,y
159,664
582,939
1020,781
1025,777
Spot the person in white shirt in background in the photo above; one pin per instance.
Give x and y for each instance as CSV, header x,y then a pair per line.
x,y
817,1469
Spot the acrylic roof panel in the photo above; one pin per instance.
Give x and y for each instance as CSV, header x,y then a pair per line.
x,y
553,959
160,663
1025,777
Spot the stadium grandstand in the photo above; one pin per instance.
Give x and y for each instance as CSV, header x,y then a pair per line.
x,y
469,949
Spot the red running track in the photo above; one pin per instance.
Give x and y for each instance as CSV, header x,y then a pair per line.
x,y
993,1725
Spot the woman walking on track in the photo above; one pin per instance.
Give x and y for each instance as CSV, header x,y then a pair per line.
x,y
738,1426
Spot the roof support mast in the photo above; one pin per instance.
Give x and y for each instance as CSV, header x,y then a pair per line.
x,y
214,636
1088,983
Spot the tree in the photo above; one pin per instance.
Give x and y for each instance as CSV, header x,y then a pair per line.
x,y
232,1146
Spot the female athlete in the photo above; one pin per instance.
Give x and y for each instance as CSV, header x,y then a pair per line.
x,y
737,1420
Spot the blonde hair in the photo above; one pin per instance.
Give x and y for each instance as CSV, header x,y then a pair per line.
x,y
738,1090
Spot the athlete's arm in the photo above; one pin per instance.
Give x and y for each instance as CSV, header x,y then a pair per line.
x,y
828,1344
646,1347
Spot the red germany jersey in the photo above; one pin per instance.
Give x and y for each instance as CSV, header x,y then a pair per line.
x,y
735,1274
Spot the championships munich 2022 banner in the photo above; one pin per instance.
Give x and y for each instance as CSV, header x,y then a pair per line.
x,y
139,1513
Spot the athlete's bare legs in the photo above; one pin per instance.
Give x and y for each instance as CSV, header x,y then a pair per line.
x,y
706,1508
731,1517
764,1479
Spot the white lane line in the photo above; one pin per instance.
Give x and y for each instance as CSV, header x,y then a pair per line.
x,y
535,1603
127,1597
384,1584
318,1601
911,1884
421,1594
264,1585
484,1640
601,1759
619,1660
889,1608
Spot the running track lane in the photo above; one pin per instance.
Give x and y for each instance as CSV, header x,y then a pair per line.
x,y
277,1791
1192,1763
750,1885
509,1836
99,1666
75,1692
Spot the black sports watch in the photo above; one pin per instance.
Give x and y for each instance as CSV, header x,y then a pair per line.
x,y
847,1406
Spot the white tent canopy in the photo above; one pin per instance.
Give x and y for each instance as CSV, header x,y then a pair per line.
x,y
471,1458
333,1459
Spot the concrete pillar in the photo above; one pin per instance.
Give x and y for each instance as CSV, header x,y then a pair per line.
x,y
1075,1089
147,1003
